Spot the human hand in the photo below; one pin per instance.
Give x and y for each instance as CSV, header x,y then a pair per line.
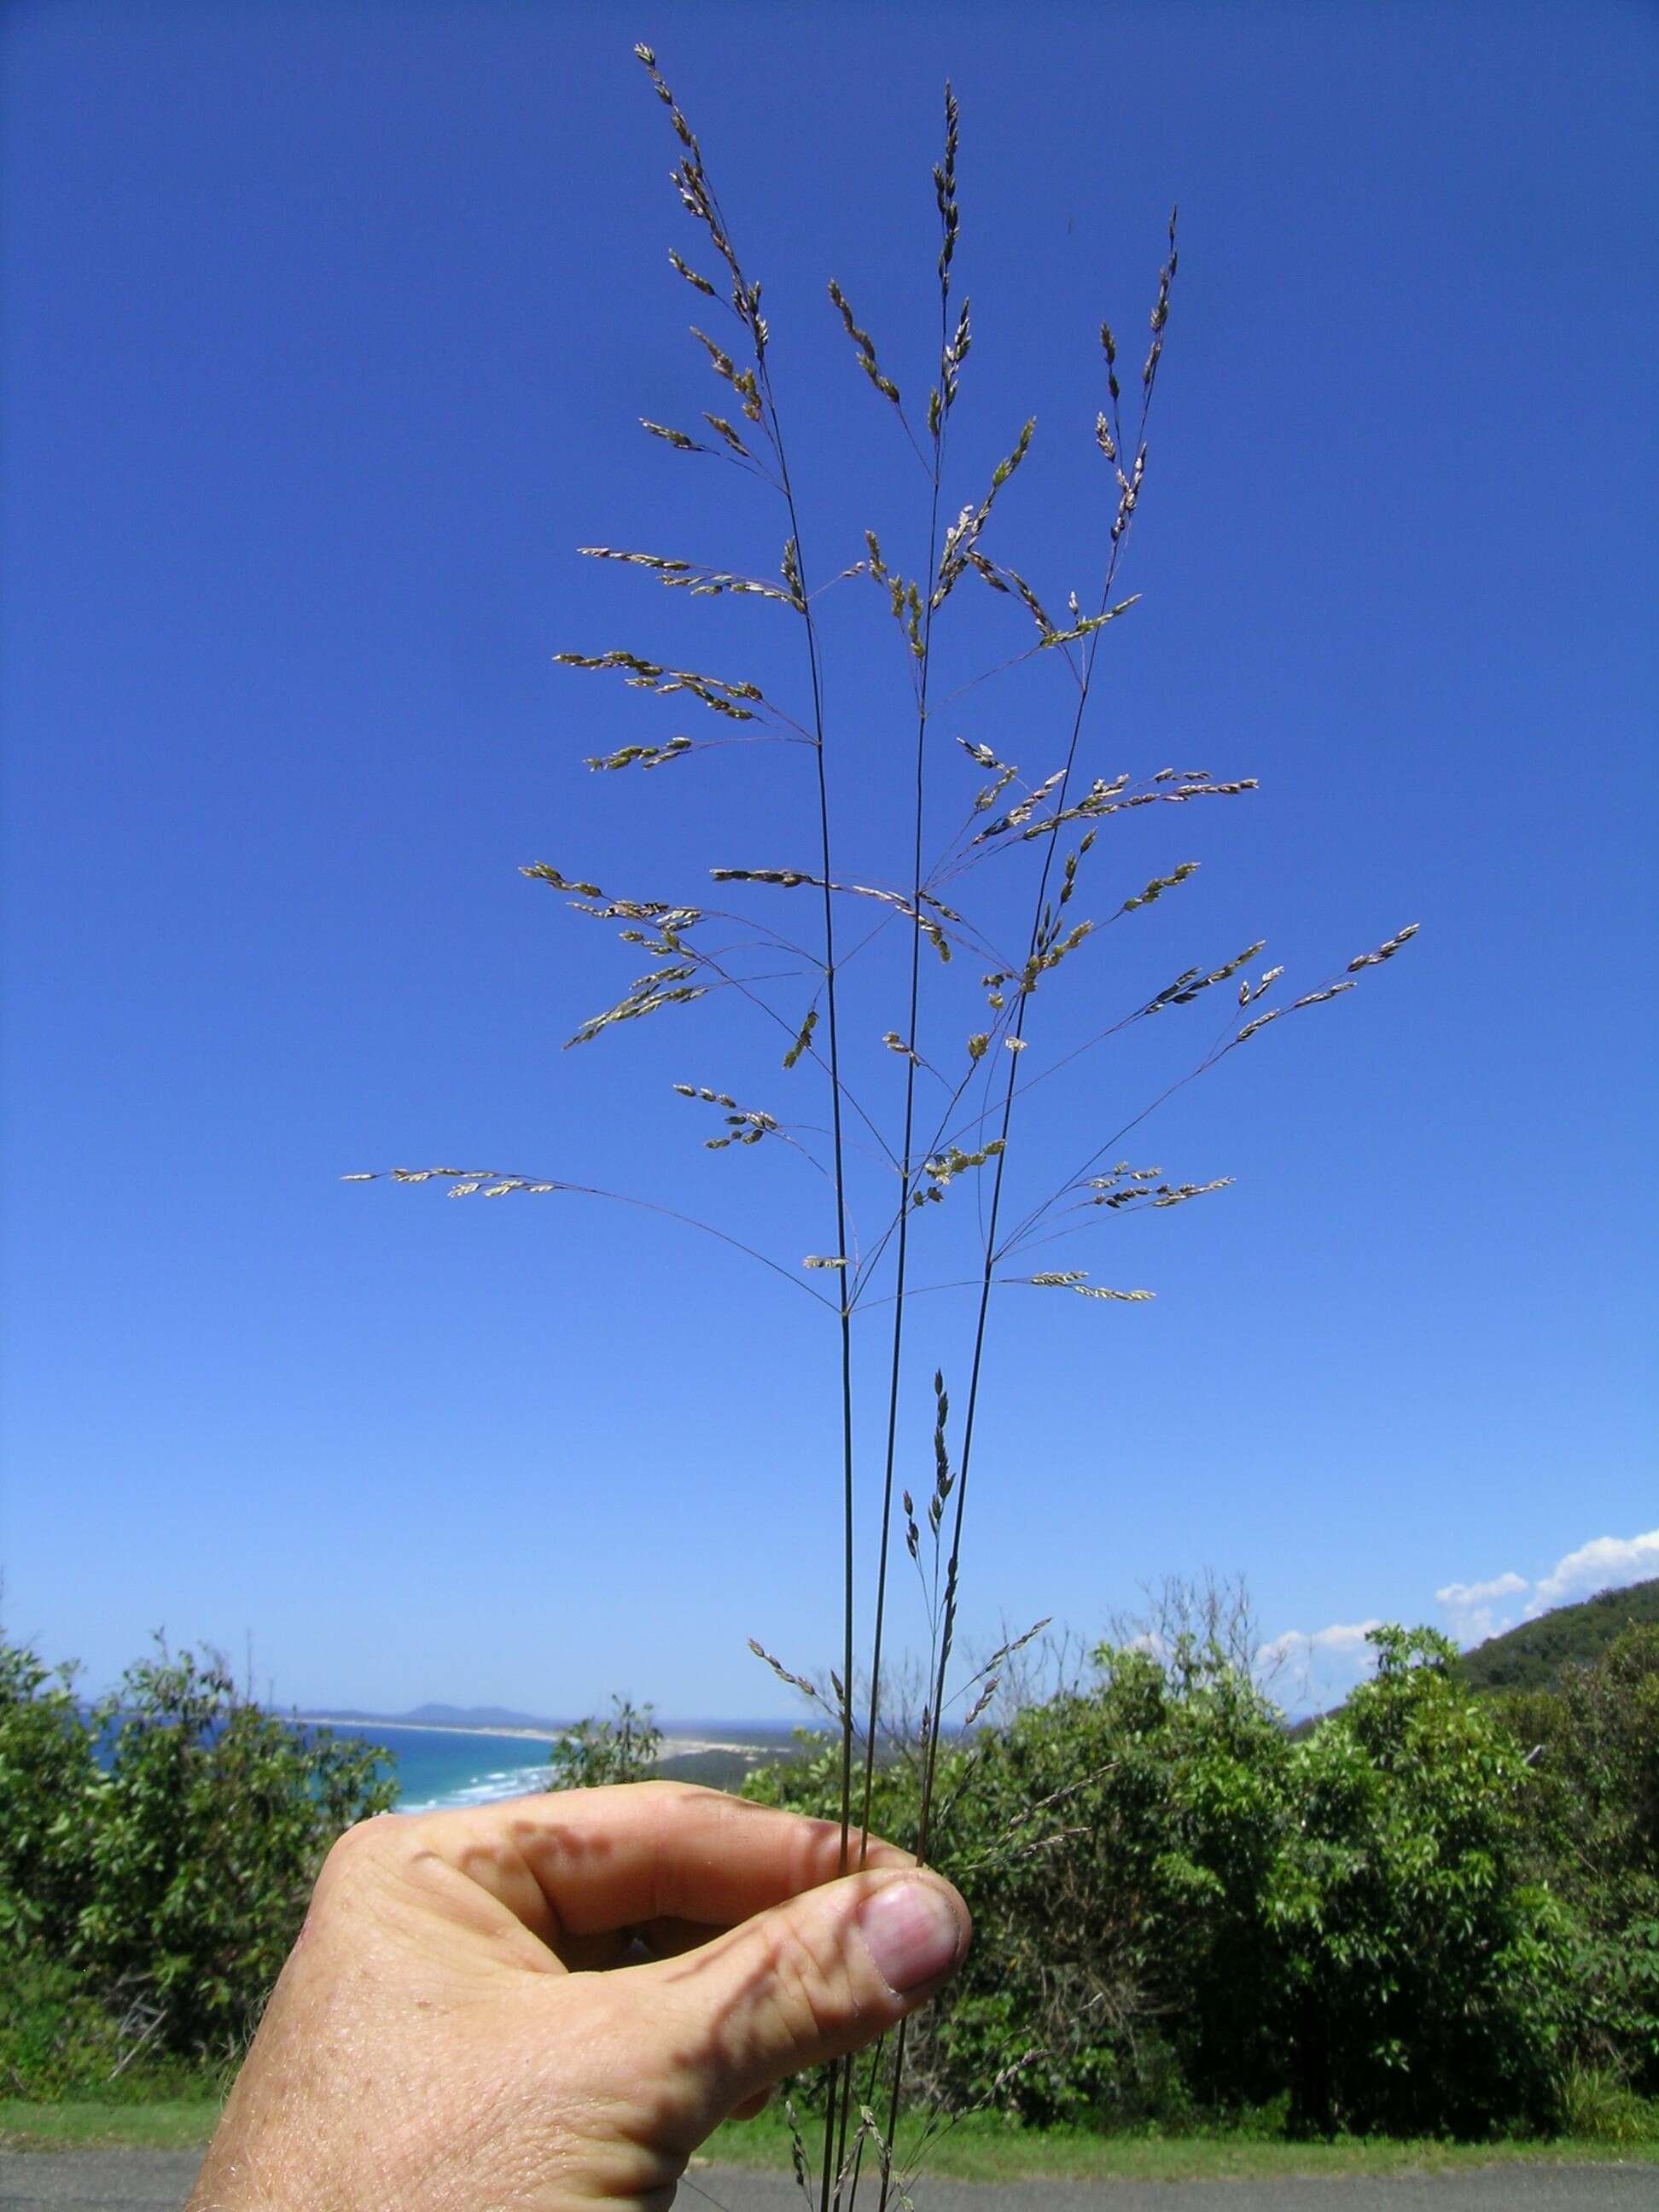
x,y
445,2036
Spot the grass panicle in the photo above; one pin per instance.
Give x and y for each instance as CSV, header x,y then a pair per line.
x,y
934,1116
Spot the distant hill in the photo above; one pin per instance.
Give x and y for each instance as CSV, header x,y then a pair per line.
x,y
1535,1655
454,1717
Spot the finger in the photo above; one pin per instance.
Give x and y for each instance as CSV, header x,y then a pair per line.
x,y
809,1980
582,1862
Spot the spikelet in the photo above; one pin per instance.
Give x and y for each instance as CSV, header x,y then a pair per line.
x,y
1073,1279
721,697
745,1124
801,1682
791,879
1187,985
803,1037
1385,950
865,346
798,2154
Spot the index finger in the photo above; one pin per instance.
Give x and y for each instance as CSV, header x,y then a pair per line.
x,y
586,1862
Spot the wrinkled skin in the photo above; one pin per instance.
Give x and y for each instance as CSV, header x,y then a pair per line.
x,y
548,2003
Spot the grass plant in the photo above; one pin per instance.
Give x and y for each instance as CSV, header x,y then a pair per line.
x,y
1000,859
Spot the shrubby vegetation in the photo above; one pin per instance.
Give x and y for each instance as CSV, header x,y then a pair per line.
x,y
148,1895
624,1747
1439,1912
1593,1748
1416,1919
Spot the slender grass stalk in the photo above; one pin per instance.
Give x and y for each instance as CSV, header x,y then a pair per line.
x,y
845,1315
756,325
907,1168
945,177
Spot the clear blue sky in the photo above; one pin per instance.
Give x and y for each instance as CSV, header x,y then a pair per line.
x,y
326,332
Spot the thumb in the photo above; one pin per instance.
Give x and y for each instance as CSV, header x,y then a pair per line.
x,y
810,1980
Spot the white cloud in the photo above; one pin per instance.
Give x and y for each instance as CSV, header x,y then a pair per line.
x,y
1473,1606
1319,1666
1605,1563
1458,1594
1475,1610
1315,1668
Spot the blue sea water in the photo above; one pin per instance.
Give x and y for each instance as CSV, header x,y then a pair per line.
x,y
452,1766
440,1766
434,1767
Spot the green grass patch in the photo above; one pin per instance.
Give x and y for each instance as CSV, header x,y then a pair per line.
x,y
979,2148
984,2148
85,2123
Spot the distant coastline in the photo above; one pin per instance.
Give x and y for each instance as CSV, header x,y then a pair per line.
x,y
362,1724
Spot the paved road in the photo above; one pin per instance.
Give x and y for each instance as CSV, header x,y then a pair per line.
x,y
160,2181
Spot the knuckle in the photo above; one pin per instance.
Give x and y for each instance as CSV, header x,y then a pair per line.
x,y
809,1982
352,1856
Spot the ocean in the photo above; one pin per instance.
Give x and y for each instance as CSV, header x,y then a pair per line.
x,y
452,1766
442,1766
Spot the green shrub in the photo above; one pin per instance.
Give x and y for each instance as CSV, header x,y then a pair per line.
x,y
147,1903
209,1827
1593,1744
1180,1914
1112,1844
1422,1979
1595,2104
47,1778
624,1748
1122,1949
